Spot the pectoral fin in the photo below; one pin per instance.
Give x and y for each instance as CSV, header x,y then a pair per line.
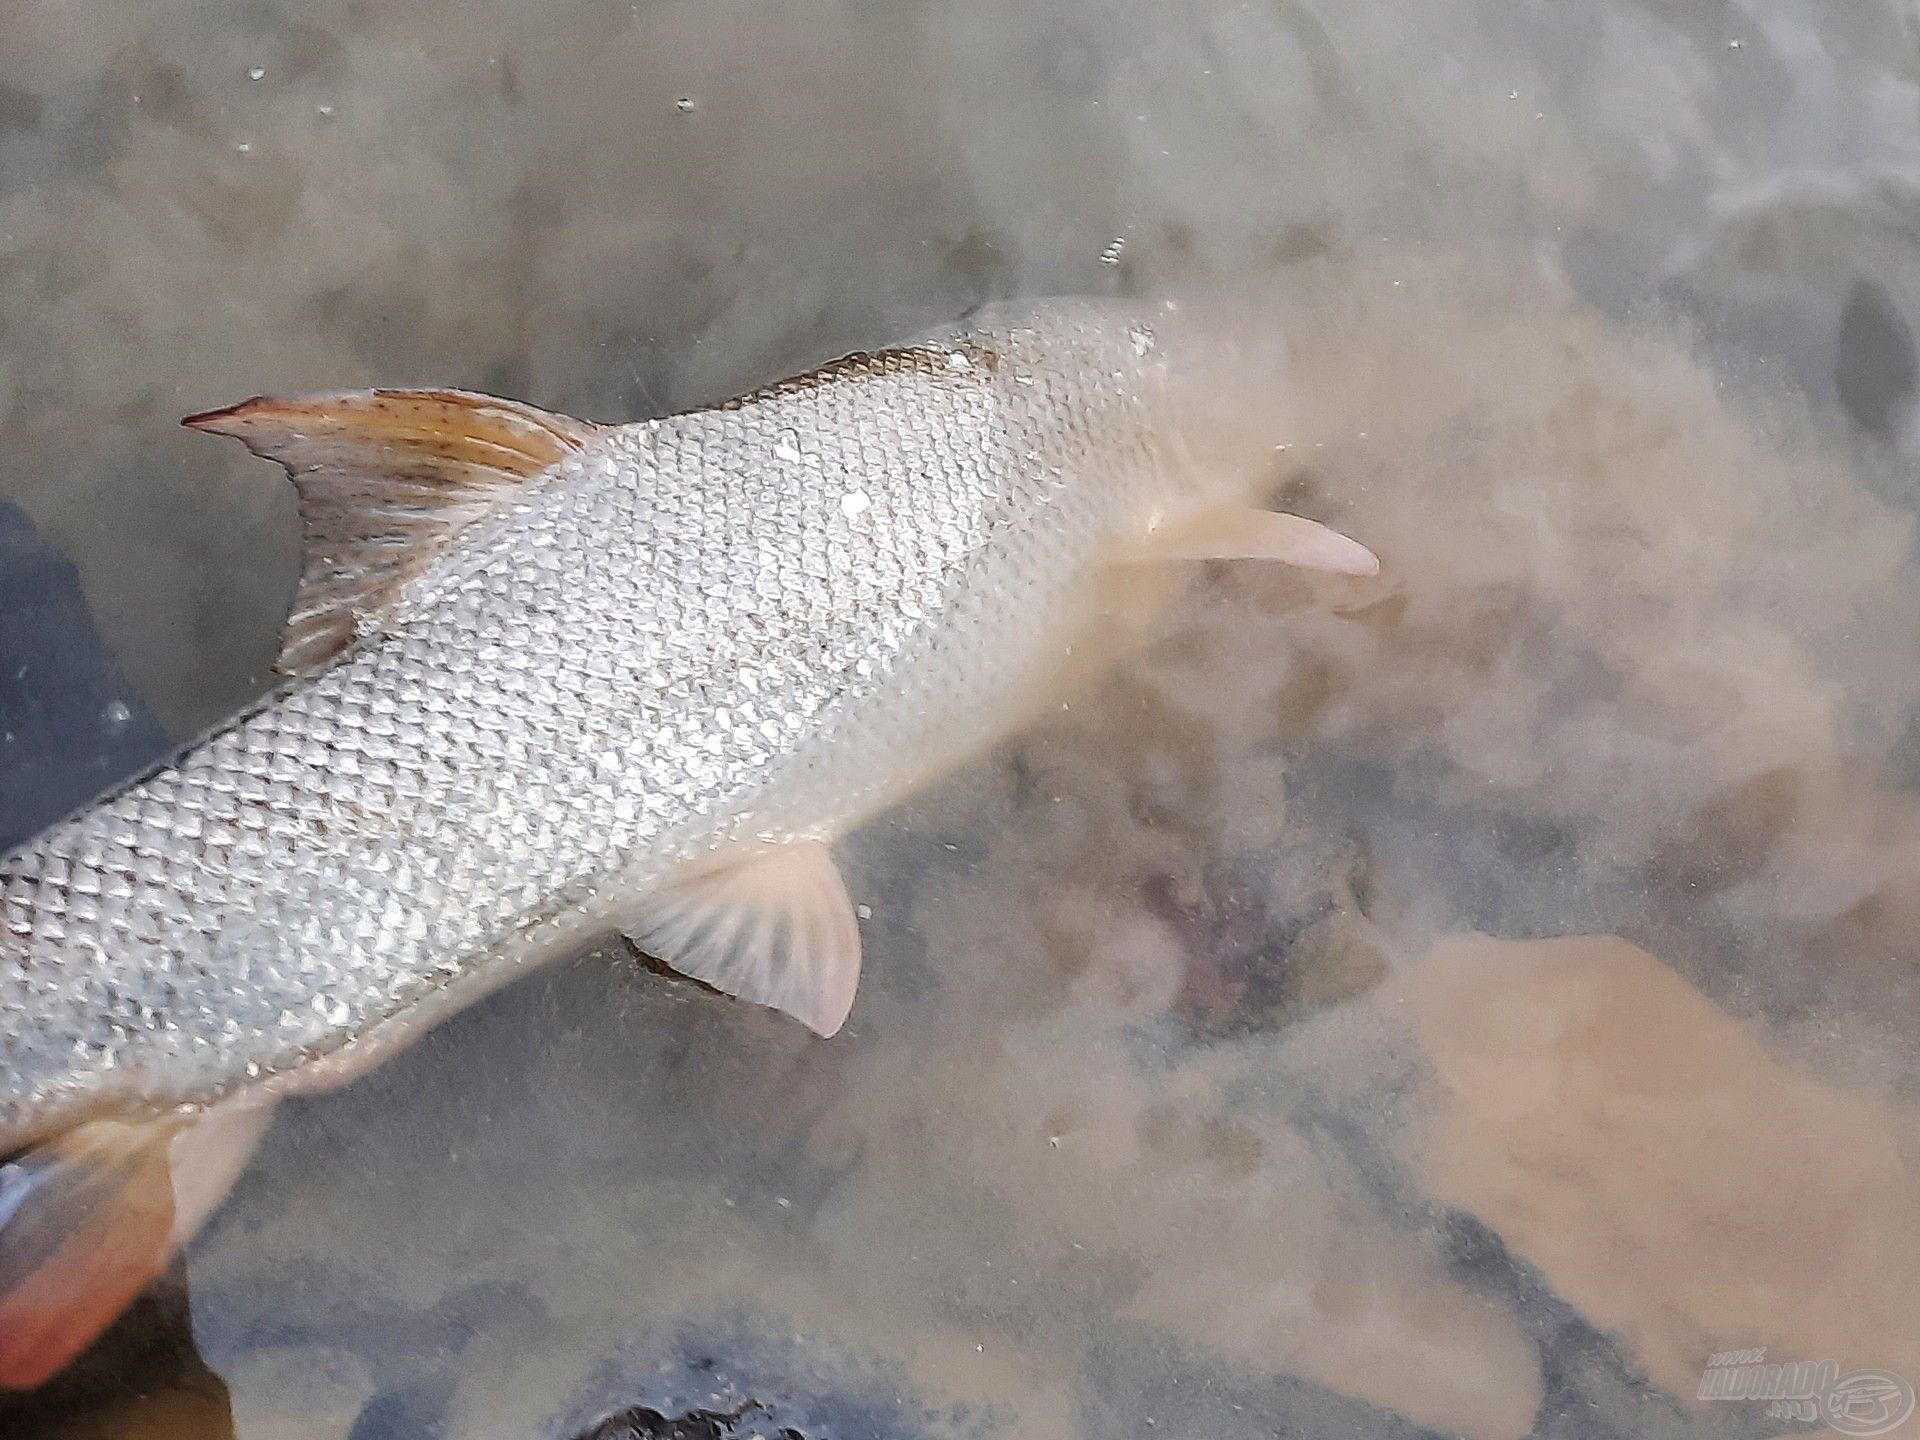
x,y
1244,533
773,926
89,1218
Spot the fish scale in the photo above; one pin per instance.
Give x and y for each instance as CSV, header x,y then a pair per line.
x,y
677,639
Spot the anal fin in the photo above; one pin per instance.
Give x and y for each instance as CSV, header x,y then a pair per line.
x,y
89,1218
771,926
1246,533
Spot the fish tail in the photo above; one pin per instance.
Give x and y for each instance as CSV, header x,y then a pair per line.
x,y
90,1217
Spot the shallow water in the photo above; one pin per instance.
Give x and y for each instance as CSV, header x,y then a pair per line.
x,y
1462,1002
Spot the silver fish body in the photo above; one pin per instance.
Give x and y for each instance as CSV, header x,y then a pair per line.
x,y
753,623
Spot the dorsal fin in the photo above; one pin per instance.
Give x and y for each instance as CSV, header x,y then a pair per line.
x,y
386,479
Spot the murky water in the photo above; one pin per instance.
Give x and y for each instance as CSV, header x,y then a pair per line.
x,y
1462,1002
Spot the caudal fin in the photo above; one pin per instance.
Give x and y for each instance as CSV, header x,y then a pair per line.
x,y
89,1218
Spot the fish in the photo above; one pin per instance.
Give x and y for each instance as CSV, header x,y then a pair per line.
x,y
545,681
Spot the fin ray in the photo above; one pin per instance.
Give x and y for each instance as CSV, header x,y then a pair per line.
x,y
774,927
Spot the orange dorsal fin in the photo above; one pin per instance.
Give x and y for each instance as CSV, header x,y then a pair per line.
x,y
386,479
